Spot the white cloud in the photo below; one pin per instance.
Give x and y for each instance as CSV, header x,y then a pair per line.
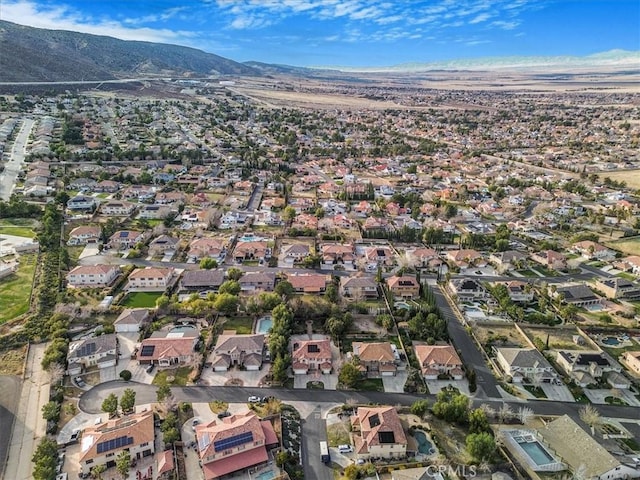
x,y
483,17
62,17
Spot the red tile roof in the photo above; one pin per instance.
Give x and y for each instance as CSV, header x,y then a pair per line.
x,y
234,463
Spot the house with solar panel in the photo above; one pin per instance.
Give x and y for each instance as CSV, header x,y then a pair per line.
x,y
100,351
125,239
102,443
169,348
377,432
234,444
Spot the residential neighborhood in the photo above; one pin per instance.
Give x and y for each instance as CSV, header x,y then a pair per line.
x,y
216,288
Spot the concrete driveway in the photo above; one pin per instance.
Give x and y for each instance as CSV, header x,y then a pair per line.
x,y
598,396
557,392
395,384
249,378
127,343
330,381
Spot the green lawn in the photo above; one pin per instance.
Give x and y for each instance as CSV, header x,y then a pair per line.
x,y
528,273
180,376
20,227
536,391
15,289
141,299
370,385
242,325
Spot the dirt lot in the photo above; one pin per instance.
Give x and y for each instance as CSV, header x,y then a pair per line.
x,y
558,339
486,332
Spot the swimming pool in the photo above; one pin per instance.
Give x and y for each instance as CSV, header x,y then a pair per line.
x,y
537,452
611,341
263,325
424,445
250,238
268,475
182,328
474,312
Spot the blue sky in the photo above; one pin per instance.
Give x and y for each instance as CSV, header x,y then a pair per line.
x,y
350,32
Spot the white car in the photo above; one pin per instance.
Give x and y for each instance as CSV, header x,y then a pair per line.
x,y
253,399
345,448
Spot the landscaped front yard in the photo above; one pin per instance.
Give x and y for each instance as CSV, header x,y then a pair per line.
x,y
173,376
15,290
141,299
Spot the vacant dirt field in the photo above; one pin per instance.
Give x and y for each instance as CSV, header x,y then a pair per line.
x,y
486,332
630,246
558,339
632,177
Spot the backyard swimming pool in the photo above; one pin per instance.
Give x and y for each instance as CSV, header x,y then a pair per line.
x,y
263,325
269,475
424,444
611,341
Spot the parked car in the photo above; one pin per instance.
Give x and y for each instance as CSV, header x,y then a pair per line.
x,y
150,368
75,435
253,399
345,448
80,382
224,414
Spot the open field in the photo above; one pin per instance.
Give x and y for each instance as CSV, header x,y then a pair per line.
x,y
15,289
141,299
20,227
558,338
630,246
631,177
498,333
12,361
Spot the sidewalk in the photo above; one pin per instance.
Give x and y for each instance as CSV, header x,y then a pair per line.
x,y
29,426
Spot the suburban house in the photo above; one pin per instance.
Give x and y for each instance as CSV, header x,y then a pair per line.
x,y
163,245
311,283
578,295
234,443
150,279
295,252
117,208
125,239
403,287
334,254
257,282
525,364
81,202
550,259
518,292
252,250
376,358
101,351
617,287
583,453
359,287
464,258
508,260
632,360
157,212
378,433
201,281
311,355
466,289
92,276
167,348
207,248
84,234
102,443
591,250
438,360
132,320
586,367
379,255
423,256
238,350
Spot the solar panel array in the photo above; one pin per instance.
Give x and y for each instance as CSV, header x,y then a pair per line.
x,y
386,437
114,443
203,441
87,349
234,441
147,350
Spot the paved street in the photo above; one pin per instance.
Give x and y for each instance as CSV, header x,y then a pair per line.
x,y
313,432
14,165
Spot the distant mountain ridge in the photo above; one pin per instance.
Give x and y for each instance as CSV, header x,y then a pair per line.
x,y
613,59
35,54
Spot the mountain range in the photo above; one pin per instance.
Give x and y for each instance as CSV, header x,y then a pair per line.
x,y
38,55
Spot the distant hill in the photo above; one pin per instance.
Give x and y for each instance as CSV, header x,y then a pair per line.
x,y
35,54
